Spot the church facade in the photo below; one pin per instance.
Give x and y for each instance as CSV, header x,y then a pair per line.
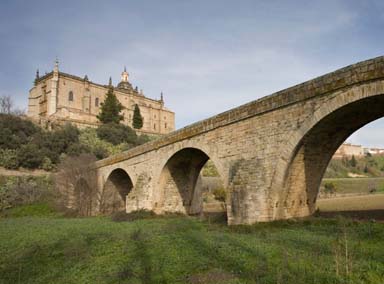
x,y
57,98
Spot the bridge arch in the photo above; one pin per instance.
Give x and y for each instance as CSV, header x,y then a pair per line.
x,y
303,163
115,190
177,190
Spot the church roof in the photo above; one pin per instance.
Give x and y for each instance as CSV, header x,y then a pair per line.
x,y
125,85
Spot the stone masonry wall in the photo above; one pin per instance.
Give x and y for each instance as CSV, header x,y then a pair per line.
x,y
260,149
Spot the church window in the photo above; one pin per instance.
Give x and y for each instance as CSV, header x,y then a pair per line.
x,y
97,102
165,125
70,96
154,126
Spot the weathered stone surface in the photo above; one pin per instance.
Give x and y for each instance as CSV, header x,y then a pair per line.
x,y
270,153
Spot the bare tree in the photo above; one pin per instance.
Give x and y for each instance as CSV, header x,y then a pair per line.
x,y
76,185
6,104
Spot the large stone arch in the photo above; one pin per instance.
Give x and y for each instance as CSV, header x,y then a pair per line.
x,y
114,191
175,190
309,149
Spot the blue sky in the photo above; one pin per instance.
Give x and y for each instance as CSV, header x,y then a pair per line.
x,y
206,56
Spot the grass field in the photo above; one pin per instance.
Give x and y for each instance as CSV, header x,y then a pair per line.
x,y
356,185
348,203
187,250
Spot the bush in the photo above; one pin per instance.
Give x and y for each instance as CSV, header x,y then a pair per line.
x,y
141,139
117,133
47,164
220,194
30,156
329,187
77,149
100,148
9,159
17,191
15,132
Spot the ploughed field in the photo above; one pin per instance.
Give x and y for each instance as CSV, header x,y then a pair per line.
x,y
175,249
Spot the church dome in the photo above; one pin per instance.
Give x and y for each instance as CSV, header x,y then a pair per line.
x,y
125,86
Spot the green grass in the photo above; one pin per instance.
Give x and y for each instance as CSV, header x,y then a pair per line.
x,y
187,250
356,185
37,210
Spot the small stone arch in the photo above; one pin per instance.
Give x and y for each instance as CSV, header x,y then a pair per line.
x,y
114,192
177,181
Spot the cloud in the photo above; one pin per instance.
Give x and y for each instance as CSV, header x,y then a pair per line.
x,y
206,56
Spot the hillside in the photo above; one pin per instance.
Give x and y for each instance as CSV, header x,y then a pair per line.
x,y
365,166
24,144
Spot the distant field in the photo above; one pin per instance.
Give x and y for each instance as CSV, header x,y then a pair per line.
x,y
356,185
352,203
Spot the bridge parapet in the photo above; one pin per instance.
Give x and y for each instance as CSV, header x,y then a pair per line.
x,y
354,74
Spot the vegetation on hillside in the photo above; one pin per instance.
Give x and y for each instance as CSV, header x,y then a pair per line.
x,y
24,190
368,165
23,144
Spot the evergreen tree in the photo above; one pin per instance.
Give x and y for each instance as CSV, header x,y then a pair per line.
x,y
353,161
137,118
110,109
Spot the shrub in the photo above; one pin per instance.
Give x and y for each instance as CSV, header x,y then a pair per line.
x,y
24,191
30,156
15,131
141,139
209,170
47,164
77,149
329,187
220,194
9,159
100,148
117,133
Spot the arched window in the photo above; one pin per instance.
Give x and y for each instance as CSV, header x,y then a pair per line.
x,y
97,102
70,96
165,125
154,126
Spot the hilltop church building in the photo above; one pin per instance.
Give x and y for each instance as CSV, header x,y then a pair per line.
x,y
57,98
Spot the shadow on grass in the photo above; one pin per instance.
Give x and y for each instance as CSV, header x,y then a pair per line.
x,y
140,265
362,215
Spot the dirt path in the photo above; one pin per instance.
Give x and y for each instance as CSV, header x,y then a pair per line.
x,y
22,172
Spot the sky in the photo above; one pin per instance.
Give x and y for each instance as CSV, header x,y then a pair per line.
x,y
206,56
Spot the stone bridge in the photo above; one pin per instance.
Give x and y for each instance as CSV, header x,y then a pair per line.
x,y
271,153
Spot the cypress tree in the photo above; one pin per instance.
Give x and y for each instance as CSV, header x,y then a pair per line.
x,y
137,118
110,109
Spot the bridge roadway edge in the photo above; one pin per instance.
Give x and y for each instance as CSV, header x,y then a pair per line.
x,y
355,74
